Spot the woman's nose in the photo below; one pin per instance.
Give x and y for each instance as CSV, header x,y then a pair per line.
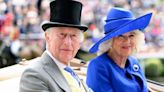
x,y
127,39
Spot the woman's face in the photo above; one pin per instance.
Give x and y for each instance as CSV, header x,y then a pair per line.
x,y
123,45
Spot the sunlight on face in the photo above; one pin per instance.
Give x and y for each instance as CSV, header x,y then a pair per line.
x,y
124,44
64,42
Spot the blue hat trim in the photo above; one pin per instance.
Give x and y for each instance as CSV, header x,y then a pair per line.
x,y
112,25
132,24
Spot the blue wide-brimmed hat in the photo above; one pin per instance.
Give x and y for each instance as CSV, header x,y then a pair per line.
x,y
120,21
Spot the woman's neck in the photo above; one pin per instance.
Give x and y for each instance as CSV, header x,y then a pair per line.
x,y
118,59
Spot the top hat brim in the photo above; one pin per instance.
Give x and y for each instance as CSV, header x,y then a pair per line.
x,y
49,24
139,23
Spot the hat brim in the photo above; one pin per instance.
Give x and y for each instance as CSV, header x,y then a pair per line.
x,y
49,24
139,23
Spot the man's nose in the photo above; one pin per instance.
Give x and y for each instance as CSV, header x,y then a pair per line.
x,y
67,39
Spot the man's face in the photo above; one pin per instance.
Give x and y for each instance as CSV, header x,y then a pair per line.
x,y
63,43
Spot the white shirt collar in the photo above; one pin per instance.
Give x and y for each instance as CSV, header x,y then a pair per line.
x,y
59,64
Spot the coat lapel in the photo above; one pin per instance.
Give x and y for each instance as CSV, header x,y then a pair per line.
x,y
52,69
137,73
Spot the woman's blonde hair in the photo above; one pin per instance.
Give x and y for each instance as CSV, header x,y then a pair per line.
x,y
107,45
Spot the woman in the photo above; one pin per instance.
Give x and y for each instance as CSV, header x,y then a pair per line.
x,y
115,69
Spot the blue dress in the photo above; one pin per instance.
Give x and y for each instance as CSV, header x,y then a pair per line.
x,y
104,75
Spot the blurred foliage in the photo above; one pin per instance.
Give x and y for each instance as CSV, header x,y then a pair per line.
x,y
162,60
162,73
153,67
157,79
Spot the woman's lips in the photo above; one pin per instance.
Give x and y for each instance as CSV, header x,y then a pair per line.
x,y
126,47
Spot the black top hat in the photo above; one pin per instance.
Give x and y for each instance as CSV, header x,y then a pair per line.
x,y
65,13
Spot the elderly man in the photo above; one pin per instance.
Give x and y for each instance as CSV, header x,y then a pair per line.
x,y
63,35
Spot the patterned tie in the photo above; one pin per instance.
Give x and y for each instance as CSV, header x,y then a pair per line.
x,y
68,69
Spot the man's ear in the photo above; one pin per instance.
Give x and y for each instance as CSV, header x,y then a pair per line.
x,y
46,36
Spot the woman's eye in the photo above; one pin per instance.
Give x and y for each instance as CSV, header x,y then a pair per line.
x,y
120,36
131,36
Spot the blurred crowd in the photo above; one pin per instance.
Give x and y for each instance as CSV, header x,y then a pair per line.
x,y
22,37
95,12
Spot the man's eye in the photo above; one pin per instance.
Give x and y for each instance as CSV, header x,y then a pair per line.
x,y
74,35
62,35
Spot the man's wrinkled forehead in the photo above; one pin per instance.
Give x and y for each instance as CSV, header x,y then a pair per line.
x,y
65,29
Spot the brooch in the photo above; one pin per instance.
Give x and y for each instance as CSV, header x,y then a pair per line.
x,y
135,67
